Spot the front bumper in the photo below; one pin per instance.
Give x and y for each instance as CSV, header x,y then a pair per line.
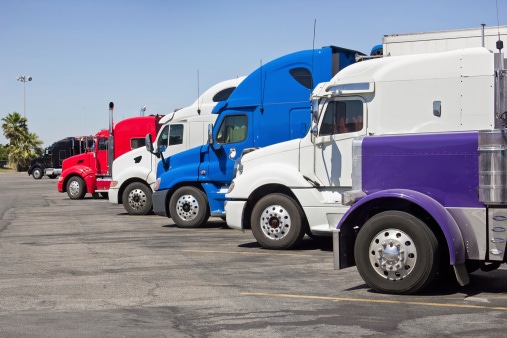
x,y
59,184
234,214
160,202
113,195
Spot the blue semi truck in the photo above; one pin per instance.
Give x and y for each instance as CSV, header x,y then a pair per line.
x,y
270,106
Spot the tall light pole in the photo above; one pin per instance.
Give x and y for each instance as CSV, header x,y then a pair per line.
x,y
24,79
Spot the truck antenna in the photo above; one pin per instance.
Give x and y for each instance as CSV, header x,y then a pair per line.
x,y
313,50
262,90
198,92
499,43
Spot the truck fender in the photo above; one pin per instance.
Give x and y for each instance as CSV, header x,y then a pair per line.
x,y
84,172
442,217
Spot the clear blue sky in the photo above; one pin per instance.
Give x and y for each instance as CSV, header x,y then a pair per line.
x,y
82,54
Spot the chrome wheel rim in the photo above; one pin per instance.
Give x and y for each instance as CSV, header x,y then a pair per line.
x,y
275,222
393,254
74,188
137,199
187,207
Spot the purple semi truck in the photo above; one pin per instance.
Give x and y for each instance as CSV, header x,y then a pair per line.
x,y
434,201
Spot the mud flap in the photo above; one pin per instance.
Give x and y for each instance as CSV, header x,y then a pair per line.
x,y
461,274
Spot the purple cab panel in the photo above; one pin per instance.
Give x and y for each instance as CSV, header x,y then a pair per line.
x,y
442,166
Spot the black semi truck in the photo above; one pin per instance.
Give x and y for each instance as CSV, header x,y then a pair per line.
x,y
50,163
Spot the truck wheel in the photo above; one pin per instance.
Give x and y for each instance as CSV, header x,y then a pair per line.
x,y
76,188
37,173
137,199
189,207
396,253
52,176
278,222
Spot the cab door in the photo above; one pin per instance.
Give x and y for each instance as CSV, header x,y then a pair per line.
x,y
173,139
101,156
343,120
230,140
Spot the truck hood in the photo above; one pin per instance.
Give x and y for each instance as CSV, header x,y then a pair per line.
x,y
81,160
271,151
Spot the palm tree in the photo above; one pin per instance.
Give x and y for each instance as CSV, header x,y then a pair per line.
x,y
4,155
23,145
26,150
14,127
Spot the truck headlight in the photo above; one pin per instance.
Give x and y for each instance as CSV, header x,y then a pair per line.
x,y
238,168
231,187
352,196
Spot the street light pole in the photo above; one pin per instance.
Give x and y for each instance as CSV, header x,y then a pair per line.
x,y
23,79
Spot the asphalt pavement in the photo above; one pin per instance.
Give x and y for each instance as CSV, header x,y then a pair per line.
x,y
85,268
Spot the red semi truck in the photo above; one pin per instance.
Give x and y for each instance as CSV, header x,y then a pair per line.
x,y
91,172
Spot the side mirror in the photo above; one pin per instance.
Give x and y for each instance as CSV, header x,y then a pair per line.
x,y
149,143
314,108
210,134
315,130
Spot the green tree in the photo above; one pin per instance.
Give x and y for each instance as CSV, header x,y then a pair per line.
x,y
14,127
23,145
4,152
4,155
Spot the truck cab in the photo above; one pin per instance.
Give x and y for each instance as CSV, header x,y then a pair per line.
x,y
270,106
91,172
50,163
134,173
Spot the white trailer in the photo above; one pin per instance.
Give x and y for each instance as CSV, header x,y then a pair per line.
x,y
442,41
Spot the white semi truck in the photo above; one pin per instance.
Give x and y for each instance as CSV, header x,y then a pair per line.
x,y
134,173
308,185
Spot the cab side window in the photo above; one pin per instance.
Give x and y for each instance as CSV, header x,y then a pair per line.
x,y
137,143
233,129
103,144
342,117
176,134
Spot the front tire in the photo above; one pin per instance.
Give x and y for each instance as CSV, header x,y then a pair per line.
x,y
396,253
37,173
137,199
278,222
76,188
189,207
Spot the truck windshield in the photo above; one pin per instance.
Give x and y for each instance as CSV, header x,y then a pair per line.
x,y
342,117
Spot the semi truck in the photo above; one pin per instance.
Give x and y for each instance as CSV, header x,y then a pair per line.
x,y
91,172
134,173
271,105
391,169
50,163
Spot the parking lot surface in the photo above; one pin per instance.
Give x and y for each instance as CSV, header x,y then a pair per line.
x,y
85,268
